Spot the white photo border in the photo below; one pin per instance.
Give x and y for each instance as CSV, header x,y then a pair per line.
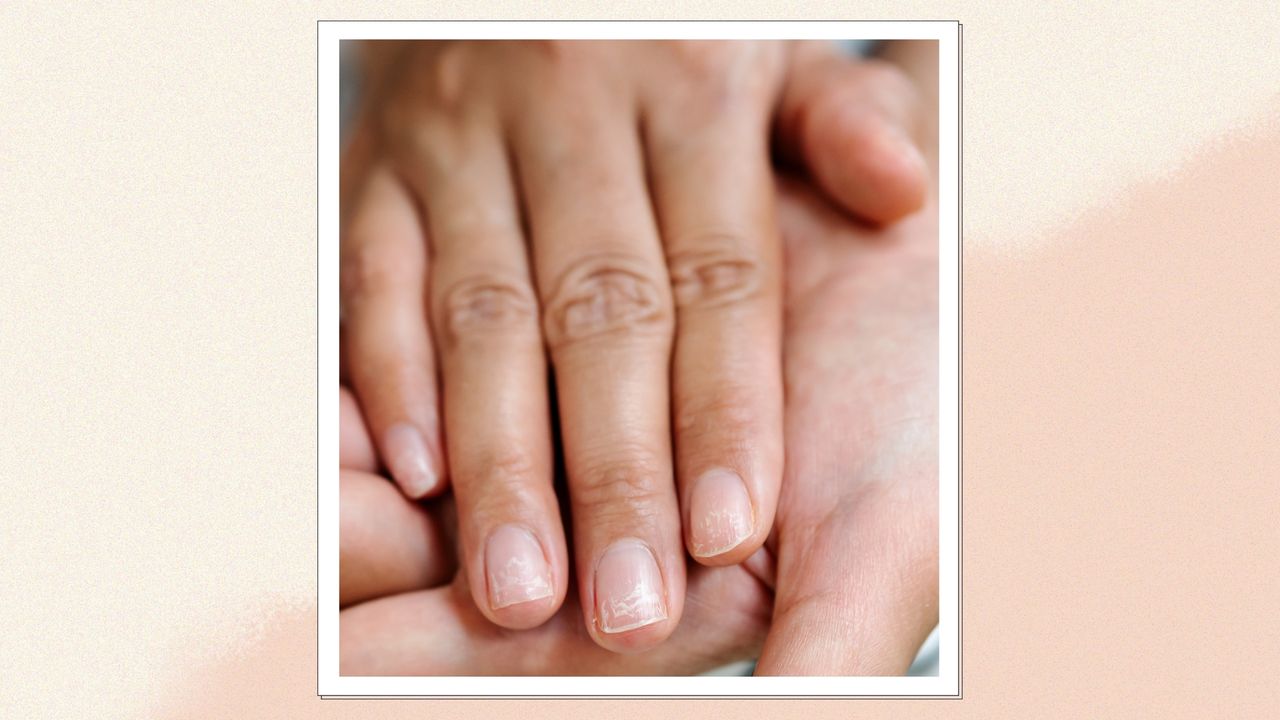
x,y
947,683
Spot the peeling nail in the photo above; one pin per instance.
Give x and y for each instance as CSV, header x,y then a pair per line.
x,y
516,567
629,589
720,513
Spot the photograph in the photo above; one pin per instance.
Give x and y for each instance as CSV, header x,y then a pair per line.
x,y
484,361
642,359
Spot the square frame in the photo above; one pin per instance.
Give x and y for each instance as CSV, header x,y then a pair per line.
x,y
947,683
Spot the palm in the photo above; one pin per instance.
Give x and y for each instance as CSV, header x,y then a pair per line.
x,y
856,533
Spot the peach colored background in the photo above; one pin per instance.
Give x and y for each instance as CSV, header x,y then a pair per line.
x,y
1122,330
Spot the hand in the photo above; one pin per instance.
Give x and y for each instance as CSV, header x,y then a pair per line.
x,y
857,528
856,532
397,554
570,131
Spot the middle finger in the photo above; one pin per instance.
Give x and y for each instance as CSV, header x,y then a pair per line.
x,y
608,322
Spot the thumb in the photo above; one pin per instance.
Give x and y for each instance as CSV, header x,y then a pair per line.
x,y
851,123
856,593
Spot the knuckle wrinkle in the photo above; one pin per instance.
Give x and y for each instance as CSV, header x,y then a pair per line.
x,y
485,305
605,295
713,277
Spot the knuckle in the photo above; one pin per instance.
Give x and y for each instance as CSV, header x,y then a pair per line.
x,y
424,119
556,51
630,490
724,74
724,412
450,75
505,472
716,271
392,382
437,79
510,466
608,295
365,272
486,305
706,58
559,65
493,483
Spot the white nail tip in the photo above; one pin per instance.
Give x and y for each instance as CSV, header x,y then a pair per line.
x,y
518,582
638,608
726,525
629,588
517,570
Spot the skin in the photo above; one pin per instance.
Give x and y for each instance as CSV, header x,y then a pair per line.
x,y
847,584
853,589
658,303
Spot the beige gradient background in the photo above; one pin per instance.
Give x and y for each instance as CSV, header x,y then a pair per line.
x,y
1122,362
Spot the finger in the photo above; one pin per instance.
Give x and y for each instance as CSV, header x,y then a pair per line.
x,y
391,364
386,544
714,194
851,123
355,449
440,632
485,321
918,61
607,319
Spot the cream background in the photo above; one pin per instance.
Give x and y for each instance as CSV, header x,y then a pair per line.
x,y
157,334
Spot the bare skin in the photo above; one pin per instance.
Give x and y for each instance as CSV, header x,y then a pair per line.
x,y
853,589
659,301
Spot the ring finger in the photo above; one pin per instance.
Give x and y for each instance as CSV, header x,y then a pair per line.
x,y
497,419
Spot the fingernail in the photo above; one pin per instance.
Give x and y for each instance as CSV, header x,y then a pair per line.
x,y
629,588
406,456
720,513
516,566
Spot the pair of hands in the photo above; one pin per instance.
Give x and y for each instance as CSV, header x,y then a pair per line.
x,y
855,538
